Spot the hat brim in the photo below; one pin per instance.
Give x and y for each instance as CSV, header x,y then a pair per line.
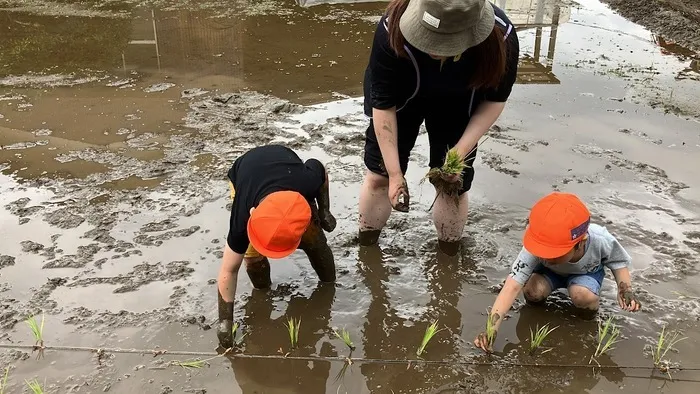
x,y
443,44
538,249
273,254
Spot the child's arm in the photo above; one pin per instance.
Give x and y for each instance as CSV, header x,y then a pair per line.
x,y
520,273
227,280
506,298
618,260
324,205
625,295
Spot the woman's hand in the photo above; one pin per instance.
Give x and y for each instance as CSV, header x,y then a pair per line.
x,y
398,193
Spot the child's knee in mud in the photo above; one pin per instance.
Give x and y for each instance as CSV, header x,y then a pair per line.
x,y
536,289
583,298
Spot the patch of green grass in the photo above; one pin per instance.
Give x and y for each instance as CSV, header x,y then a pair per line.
x,y
3,386
293,330
665,343
430,332
608,334
344,336
38,333
35,386
234,331
539,335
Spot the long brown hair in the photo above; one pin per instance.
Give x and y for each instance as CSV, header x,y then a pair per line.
x,y
491,54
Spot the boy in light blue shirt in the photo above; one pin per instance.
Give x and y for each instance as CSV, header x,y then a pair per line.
x,y
562,249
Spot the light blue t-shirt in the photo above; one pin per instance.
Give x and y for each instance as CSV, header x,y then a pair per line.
x,y
602,250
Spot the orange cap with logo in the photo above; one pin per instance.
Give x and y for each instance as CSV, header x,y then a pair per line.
x,y
276,225
558,222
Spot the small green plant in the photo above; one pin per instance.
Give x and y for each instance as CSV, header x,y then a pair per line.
x,y
190,364
234,331
665,343
3,386
38,333
539,335
344,336
35,386
608,334
430,332
491,328
293,330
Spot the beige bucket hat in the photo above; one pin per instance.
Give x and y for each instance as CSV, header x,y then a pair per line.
x,y
446,27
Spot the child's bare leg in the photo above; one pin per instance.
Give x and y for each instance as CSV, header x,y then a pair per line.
x,y
537,289
258,269
449,219
315,245
583,298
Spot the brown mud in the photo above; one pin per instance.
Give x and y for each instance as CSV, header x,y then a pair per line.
x,y
114,204
674,21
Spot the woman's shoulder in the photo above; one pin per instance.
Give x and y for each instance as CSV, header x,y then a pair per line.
x,y
502,19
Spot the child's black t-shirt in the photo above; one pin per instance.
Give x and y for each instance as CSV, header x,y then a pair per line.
x,y
262,171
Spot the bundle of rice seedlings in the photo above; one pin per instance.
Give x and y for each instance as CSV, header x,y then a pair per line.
x,y
35,386
491,328
441,177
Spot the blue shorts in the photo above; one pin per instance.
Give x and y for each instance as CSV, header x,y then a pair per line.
x,y
592,280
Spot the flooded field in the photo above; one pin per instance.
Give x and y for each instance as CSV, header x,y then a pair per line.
x,y
119,120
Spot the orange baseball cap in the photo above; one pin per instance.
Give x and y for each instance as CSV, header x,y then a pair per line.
x,y
276,225
558,222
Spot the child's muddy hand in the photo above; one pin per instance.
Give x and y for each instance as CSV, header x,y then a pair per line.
x,y
328,221
627,299
225,334
482,342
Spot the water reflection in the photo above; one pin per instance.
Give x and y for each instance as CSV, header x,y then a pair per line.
x,y
295,51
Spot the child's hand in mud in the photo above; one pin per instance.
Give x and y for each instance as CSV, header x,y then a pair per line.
x,y
225,334
482,342
626,298
398,193
328,221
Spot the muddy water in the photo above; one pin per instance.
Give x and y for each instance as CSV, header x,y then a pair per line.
x,y
114,202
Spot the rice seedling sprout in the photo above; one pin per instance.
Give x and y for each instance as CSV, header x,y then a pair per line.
x,y
430,332
344,336
491,328
293,330
3,386
539,335
38,333
35,386
234,331
191,364
608,334
665,343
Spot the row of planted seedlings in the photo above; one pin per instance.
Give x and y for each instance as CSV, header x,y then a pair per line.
x,y
608,334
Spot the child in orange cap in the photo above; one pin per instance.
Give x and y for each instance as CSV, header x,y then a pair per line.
x,y
274,213
562,249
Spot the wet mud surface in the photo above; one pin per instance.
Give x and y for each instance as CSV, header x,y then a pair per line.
x,y
674,20
114,203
